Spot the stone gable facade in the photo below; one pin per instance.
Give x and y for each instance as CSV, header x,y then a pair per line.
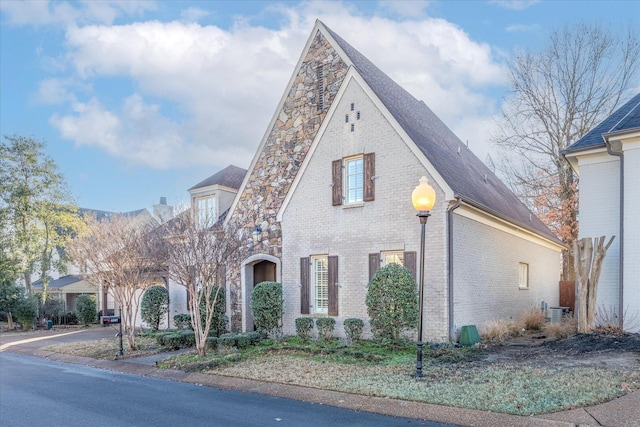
x,y
307,100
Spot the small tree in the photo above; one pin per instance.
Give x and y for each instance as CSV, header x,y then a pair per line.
x,y
392,302
27,311
154,306
10,296
267,307
86,309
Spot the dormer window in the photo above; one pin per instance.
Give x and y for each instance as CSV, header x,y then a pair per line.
x,y
206,211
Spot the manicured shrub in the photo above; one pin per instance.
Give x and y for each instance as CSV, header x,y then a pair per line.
x,y
212,343
182,321
218,321
304,326
353,328
154,306
392,302
86,309
27,311
187,338
240,340
326,326
52,308
267,307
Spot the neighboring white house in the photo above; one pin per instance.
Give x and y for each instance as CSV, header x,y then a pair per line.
x,y
327,200
607,160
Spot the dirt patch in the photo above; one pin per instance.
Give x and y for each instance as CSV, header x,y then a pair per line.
x,y
619,352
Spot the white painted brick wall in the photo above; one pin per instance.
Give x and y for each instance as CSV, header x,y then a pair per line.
x,y
486,263
311,225
599,216
632,235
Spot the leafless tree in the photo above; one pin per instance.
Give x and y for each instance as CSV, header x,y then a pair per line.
x,y
123,255
557,95
197,257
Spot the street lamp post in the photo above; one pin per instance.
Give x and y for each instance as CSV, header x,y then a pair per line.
x,y
423,198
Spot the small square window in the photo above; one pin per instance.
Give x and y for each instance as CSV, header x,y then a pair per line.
x,y
523,276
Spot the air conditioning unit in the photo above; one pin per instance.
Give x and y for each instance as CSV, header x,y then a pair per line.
x,y
555,314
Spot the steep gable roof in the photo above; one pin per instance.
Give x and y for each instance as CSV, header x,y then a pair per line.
x,y
231,177
624,118
467,176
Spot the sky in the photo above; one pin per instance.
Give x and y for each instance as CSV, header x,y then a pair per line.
x,y
139,100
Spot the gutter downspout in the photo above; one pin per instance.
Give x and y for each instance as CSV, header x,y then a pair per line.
x,y
620,155
452,333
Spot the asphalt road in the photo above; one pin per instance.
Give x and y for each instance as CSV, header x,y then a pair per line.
x,y
35,391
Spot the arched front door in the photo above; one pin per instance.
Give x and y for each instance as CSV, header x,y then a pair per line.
x,y
257,269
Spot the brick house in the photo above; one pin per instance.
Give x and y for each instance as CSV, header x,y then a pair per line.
x,y
326,202
608,161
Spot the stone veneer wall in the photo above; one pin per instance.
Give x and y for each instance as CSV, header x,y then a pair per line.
x,y
279,161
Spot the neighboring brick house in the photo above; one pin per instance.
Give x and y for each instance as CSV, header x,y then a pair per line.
x,y
327,201
608,162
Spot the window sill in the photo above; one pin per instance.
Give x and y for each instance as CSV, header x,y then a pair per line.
x,y
523,288
353,205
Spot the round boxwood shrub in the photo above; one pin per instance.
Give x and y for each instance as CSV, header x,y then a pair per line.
x,y
392,302
267,307
86,309
325,326
304,326
154,306
182,321
353,328
27,311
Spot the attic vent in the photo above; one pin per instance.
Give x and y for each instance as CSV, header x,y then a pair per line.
x,y
320,80
458,149
485,177
358,115
346,118
353,106
352,127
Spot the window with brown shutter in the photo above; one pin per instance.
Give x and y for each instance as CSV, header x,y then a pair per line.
x,y
304,285
333,286
410,263
374,265
369,173
336,188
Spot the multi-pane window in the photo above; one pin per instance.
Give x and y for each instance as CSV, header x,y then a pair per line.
x,y
354,174
393,257
523,275
320,283
206,211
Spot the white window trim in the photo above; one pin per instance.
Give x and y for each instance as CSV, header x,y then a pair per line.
x,y
314,284
345,179
214,215
523,275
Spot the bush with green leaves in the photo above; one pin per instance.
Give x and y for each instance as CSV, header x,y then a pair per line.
x,y
182,321
52,308
86,309
353,328
27,311
326,326
218,320
392,302
304,326
154,306
267,307
240,340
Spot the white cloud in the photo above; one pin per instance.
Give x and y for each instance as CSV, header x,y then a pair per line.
x,y
65,13
193,14
225,84
406,9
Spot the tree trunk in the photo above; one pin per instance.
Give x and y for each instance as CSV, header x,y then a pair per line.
x,y
588,255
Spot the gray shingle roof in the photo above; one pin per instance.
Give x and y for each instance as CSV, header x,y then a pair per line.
x,y
231,176
58,283
467,175
624,118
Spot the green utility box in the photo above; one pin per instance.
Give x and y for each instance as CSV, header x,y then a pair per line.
x,y
469,335
49,324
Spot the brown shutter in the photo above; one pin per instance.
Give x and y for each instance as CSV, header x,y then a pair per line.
x,y
333,286
410,262
336,179
369,164
304,285
374,265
